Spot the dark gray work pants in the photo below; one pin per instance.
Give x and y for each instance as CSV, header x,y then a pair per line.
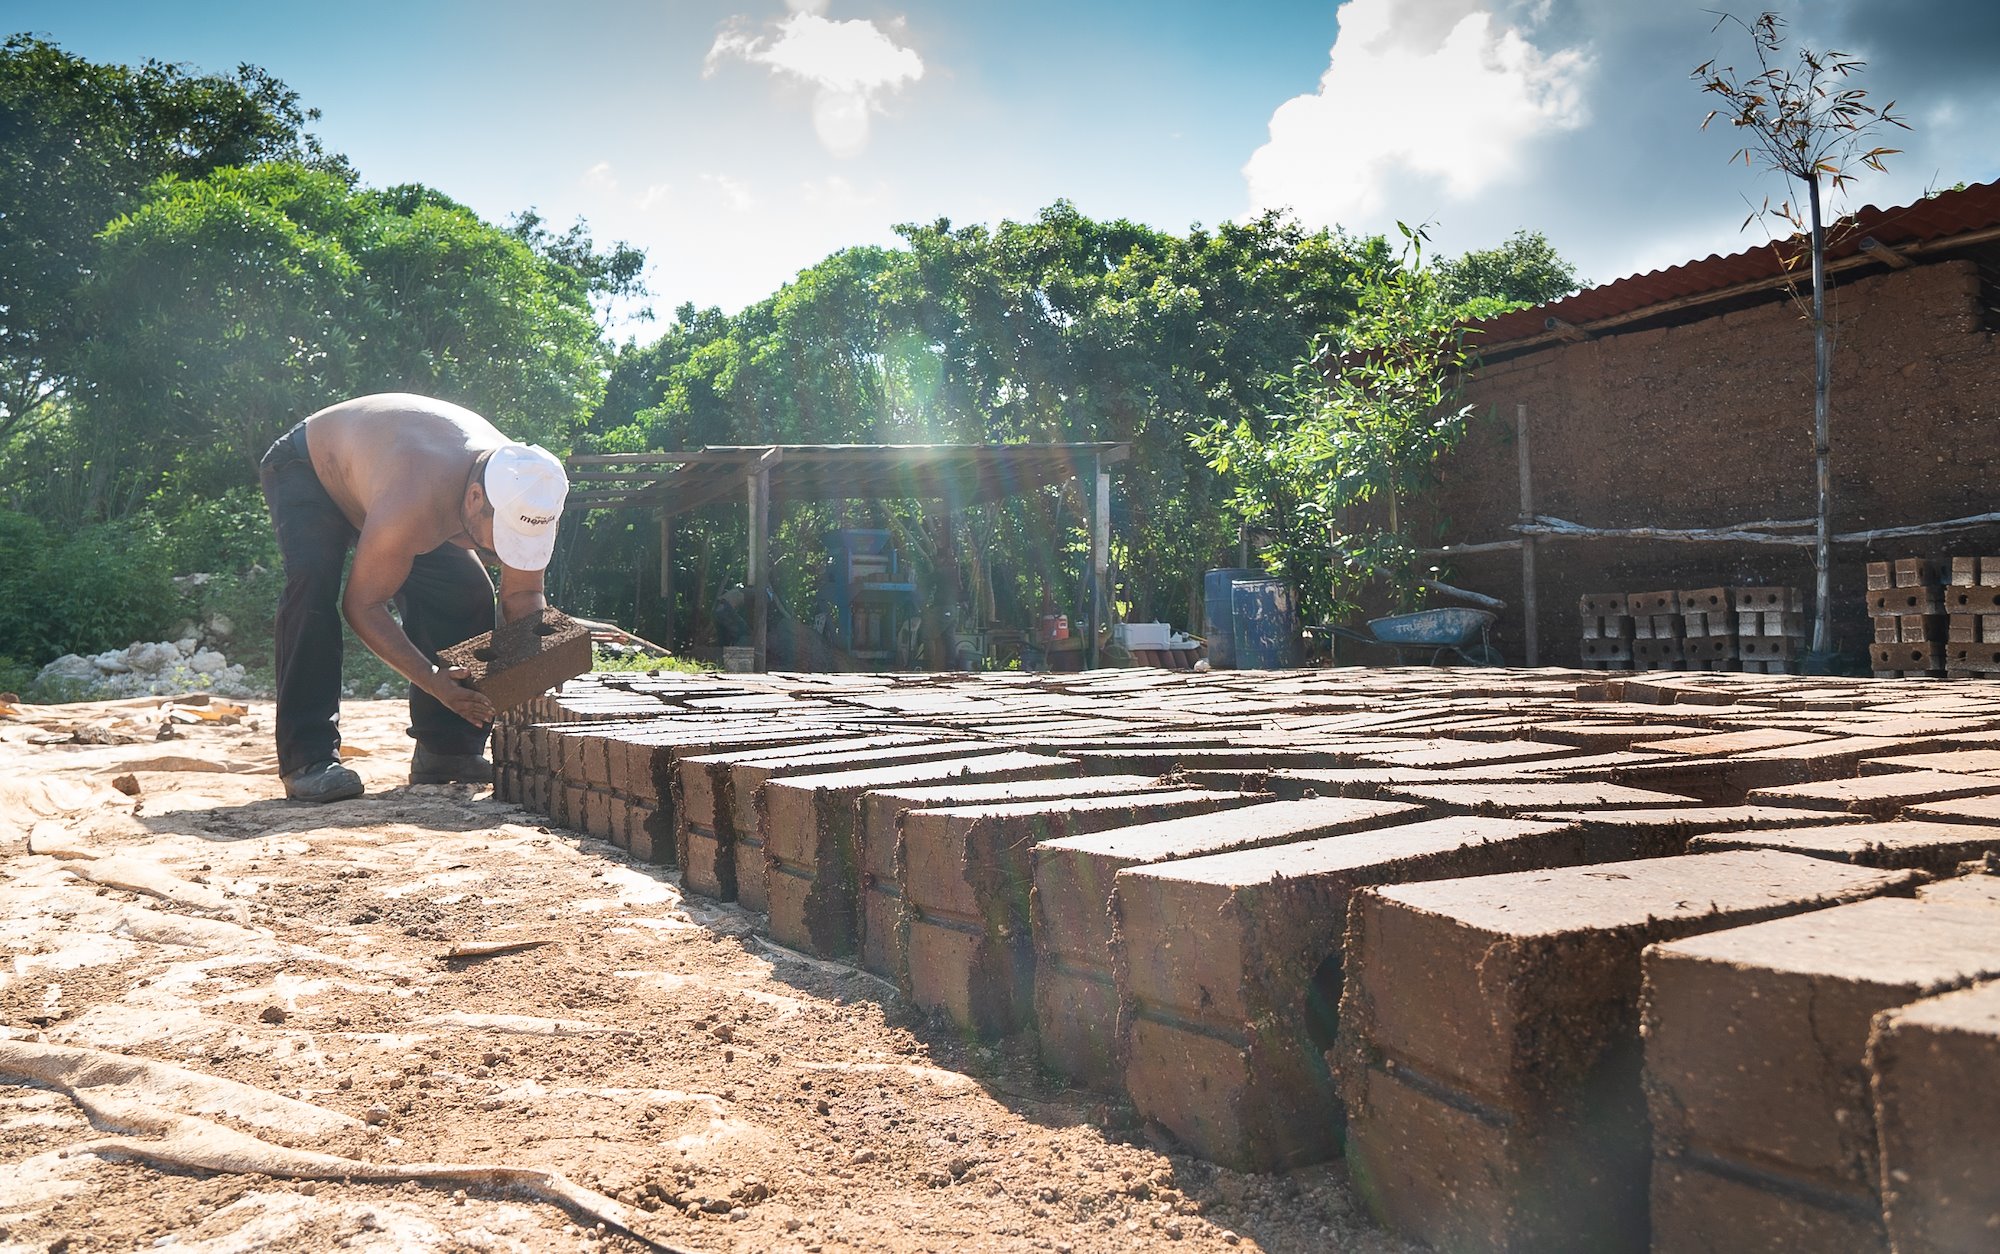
x,y
447,598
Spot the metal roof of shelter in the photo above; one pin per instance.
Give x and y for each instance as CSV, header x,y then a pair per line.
x,y
959,474
1892,237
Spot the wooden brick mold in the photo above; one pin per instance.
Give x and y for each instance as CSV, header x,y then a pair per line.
x,y
1756,1068
1933,1067
1076,991
1229,970
523,659
1490,1048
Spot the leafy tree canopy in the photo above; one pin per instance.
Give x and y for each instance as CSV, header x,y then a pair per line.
x,y
1526,270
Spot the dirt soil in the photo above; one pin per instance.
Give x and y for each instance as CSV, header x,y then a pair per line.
x,y
691,1082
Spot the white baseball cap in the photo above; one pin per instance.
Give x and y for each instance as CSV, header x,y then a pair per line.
x,y
527,487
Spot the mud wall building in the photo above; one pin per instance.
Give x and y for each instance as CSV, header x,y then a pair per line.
x,y
1683,399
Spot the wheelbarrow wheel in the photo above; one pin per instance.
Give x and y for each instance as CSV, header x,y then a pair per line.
x,y
1481,654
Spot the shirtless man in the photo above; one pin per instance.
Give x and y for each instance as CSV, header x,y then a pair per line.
x,y
426,494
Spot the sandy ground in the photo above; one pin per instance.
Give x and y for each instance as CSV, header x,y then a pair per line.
x,y
211,994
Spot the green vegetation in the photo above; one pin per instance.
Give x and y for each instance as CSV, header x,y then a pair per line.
x,y
189,272
1372,409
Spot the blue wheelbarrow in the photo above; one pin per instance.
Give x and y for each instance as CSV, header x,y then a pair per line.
x,y
1451,636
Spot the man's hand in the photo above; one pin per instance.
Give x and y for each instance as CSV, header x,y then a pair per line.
x,y
448,686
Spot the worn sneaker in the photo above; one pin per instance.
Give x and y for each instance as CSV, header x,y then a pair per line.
x,y
428,767
327,781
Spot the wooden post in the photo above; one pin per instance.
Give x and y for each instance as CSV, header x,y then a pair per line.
x,y
1529,602
667,576
760,563
1100,551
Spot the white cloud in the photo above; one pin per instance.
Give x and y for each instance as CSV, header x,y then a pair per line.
x,y
1440,99
734,191
850,65
600,176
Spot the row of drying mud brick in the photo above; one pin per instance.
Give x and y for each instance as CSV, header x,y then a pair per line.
x,y
1934,624
1703,629
1275,981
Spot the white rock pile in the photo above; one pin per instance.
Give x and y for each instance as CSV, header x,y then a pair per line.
x,y
156,669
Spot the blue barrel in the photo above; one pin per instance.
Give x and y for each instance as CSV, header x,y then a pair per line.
x,y
1218,617
1267,624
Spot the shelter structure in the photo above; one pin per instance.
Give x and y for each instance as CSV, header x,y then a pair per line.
x,y
1656,431
768,475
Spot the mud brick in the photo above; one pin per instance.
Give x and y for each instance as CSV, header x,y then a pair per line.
x,y
1962,629
1790,600
1964,572
1756,1046
707,812
1603,605
1915,572
1918,628
1622,835
523,659
1879,795
1704,607
1881,575
1656,653
1888,629
1667,626
1933,1066
1972,600
1766,648
812,873
1978,658
881,826
1642,627
967,878
1512,798
1229,971
1989,572
1711,649
1956,761
1922,658
1654,605
1490,1047
1076,992
1934,847
1989,628
1606,651
1899,601
721,845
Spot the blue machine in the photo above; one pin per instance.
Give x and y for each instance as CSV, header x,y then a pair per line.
x,y
869,598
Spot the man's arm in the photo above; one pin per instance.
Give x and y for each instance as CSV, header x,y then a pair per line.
x,y
382,560
521,593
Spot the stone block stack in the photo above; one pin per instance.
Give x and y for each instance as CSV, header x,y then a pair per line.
x,y
1972,606
1906,601
1657,644
1708,629
1770,629
1607,631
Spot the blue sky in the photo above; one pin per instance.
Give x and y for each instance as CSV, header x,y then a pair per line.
x,y
739,141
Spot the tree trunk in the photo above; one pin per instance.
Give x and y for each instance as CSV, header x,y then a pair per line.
x,y
1822,640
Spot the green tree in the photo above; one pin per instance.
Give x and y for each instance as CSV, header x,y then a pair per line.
x,y
80,143
1526,270
227,307
1374,404
1805,123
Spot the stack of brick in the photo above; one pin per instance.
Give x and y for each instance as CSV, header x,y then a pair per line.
x,y
1656,631
1607,631
1708,628
1770,629
1972,601
1907,604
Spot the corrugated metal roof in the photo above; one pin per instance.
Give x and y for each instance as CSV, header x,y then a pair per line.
x,y
1927,222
